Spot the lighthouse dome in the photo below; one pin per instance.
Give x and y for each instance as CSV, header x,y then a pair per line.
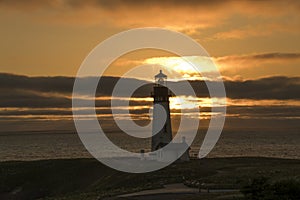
x,y
160,78
160,75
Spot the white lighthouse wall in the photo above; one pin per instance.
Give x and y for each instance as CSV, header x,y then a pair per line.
x,y
163,130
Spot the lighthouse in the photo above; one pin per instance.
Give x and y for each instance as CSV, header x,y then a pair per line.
x,y
161,134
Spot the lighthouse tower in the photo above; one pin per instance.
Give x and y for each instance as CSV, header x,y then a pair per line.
x,y
161,95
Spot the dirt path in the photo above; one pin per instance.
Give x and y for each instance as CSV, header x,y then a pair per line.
x,y
177,188
176,191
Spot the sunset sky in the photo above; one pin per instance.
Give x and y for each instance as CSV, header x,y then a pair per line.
x,y
254,44
247,39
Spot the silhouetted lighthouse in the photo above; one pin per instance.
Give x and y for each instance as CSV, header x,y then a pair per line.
x,y
161,96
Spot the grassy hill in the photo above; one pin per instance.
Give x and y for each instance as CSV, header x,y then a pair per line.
x,y
89,179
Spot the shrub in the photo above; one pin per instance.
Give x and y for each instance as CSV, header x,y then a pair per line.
x,y
263,189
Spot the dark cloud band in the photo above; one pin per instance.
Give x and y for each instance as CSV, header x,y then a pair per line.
x,y
23,91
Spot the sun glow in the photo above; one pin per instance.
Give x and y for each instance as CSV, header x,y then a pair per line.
x,y
189,67
182,102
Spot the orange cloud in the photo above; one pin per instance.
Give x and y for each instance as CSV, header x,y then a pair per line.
x,y
265,29
187,16
234,66
259,65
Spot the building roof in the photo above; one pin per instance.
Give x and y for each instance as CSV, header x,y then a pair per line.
x,y
174,146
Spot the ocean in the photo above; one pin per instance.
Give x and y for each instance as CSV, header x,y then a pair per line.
x,y
39,145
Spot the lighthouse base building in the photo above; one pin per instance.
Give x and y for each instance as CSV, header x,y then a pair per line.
x,y
175,151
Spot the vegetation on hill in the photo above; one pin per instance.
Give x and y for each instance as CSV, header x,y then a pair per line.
x,y
264,189
89,179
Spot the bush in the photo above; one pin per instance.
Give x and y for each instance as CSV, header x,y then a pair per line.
x,y
263,189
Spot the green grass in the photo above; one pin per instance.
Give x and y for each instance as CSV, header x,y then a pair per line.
x,y
89,179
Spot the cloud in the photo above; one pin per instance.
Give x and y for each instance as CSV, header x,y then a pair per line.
x,y
265,112
143,3
187,16
260,57
107,4
235,66
55,92
119,13
266,88
271,63
23,99
35,92
241,33
263,29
